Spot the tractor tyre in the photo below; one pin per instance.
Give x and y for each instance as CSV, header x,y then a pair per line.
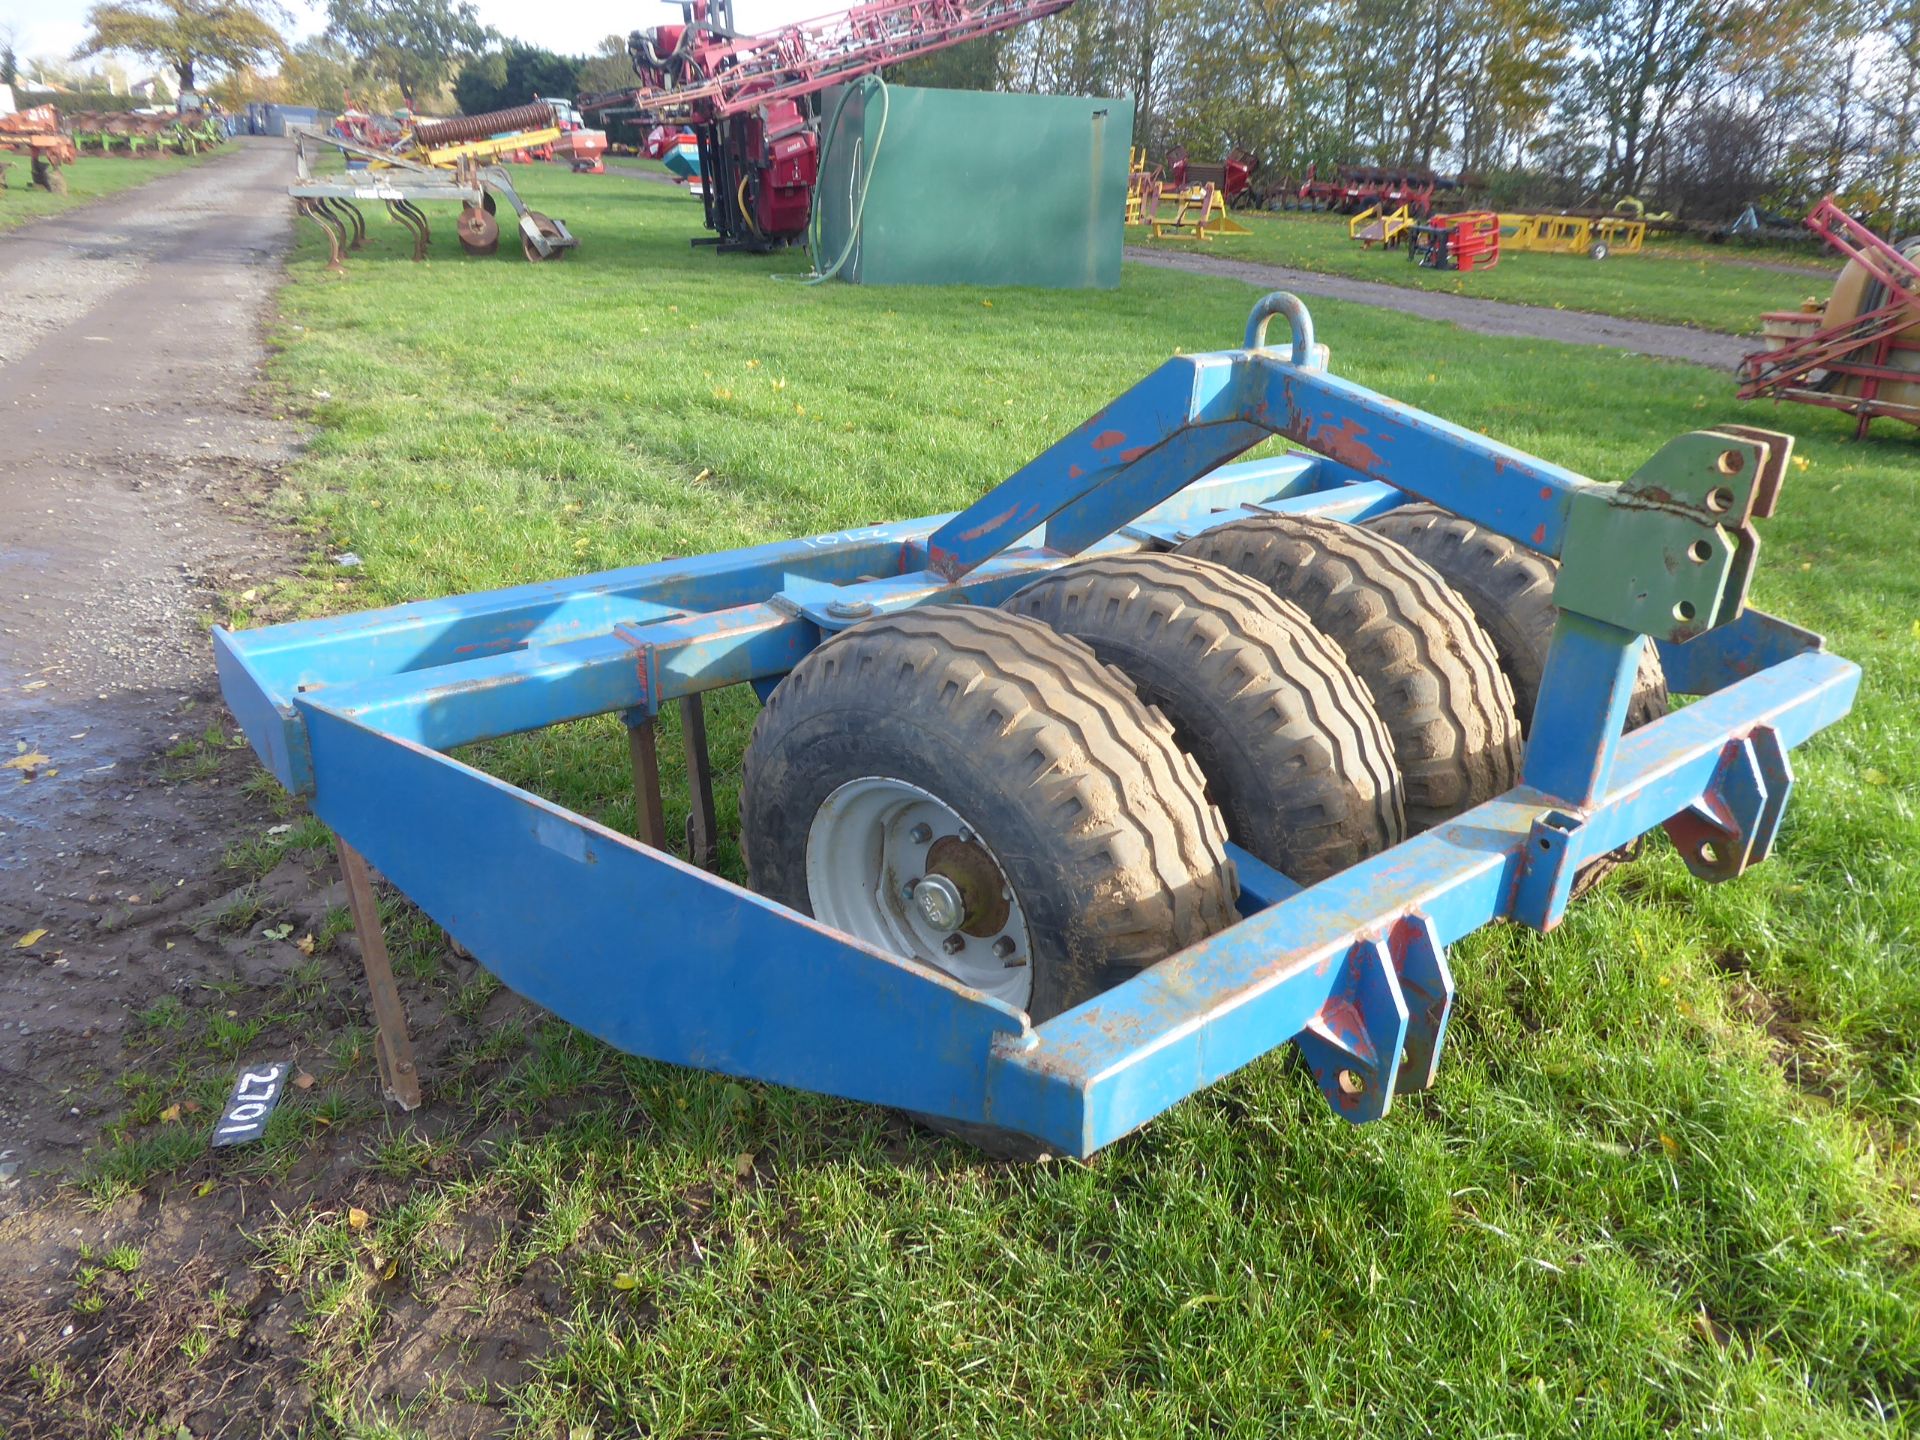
x,y
970,790
1434,676
1510,591
1293,752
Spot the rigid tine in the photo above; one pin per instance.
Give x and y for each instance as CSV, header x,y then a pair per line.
x,y
702,830
393,1046
650,822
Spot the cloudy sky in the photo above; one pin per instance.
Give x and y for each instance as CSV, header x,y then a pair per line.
x,y
54,27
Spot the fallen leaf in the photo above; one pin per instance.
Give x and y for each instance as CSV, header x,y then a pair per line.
x,y
278,829
192,1107
1669,1144
393,1269
626,1280
204,1189
743,1164
304,944
26,760
170,1114
34,685
303,1081
30,939
357,1218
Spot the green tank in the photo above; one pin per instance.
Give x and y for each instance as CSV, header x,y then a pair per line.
x,y
966,187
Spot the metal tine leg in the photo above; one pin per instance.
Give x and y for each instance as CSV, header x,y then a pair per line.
x,y
422,234
650,823
350,215
393,1046
702,830
314,212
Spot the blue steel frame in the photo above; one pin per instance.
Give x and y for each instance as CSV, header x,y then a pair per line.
x,y
662,959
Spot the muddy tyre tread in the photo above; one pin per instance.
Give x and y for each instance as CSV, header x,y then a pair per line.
x,y
1510,590
1432,672
1293,750
1138,854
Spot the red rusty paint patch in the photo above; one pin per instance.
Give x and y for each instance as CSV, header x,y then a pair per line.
x,y
1345,444
1540,533
990,524
1133,454
1107,439
1074,472
1546,492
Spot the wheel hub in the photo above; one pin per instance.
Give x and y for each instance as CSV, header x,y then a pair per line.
x,y
894,865
939,901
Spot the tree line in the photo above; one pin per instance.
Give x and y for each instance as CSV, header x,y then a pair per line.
x,y
1698,106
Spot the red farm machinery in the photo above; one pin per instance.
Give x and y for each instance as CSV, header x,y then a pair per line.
x,y
749,99
1860,352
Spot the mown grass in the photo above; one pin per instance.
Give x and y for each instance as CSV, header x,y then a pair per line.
x,y
90,177
1678,282
1665,1182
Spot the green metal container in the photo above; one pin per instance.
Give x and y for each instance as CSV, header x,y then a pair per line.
x,y
966,187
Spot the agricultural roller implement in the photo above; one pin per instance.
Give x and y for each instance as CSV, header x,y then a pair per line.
x,y
1061,808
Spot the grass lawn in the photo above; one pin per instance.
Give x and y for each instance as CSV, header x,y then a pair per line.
x,y
1679,282
1664,1185
88,178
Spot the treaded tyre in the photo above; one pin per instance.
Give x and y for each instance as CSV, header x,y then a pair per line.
x,y
1433,674
1292,749
1510,590
970,789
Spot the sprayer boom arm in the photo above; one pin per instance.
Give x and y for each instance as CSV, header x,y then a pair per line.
x,y
727,74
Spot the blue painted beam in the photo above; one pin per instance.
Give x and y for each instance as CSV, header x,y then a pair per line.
x,y
648,953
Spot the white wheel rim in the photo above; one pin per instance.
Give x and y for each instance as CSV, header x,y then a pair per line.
x,y
869,874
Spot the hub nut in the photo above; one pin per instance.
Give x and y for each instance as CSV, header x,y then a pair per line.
x,y
939,903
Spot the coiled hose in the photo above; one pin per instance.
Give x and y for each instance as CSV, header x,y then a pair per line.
x,y
857,175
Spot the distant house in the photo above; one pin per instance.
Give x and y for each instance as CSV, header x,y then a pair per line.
x,y
6,99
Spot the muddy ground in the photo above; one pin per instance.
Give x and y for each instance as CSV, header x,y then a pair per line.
x,y
146,872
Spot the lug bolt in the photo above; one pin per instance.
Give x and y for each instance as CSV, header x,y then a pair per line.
x,y
921,833
1004,947
906,890
953,944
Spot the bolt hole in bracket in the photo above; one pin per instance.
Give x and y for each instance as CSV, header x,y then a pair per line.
x,y
1668,554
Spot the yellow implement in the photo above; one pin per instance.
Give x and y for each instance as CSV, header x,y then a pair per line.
x,y
489,149
1200,211
1573,234
1377,226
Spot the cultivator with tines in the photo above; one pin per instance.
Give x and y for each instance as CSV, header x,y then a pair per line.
x,y
1068,805
442,162
1860,352
117,133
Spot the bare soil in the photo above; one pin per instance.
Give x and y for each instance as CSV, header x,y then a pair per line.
x,y
139,444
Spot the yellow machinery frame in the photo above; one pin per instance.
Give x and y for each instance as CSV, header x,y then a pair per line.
x,y
1573,234
1391,225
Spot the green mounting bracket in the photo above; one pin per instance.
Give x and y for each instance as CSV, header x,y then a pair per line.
x,y
1669,553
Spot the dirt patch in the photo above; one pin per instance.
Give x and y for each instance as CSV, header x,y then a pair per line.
x,y
1483,317
166,916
